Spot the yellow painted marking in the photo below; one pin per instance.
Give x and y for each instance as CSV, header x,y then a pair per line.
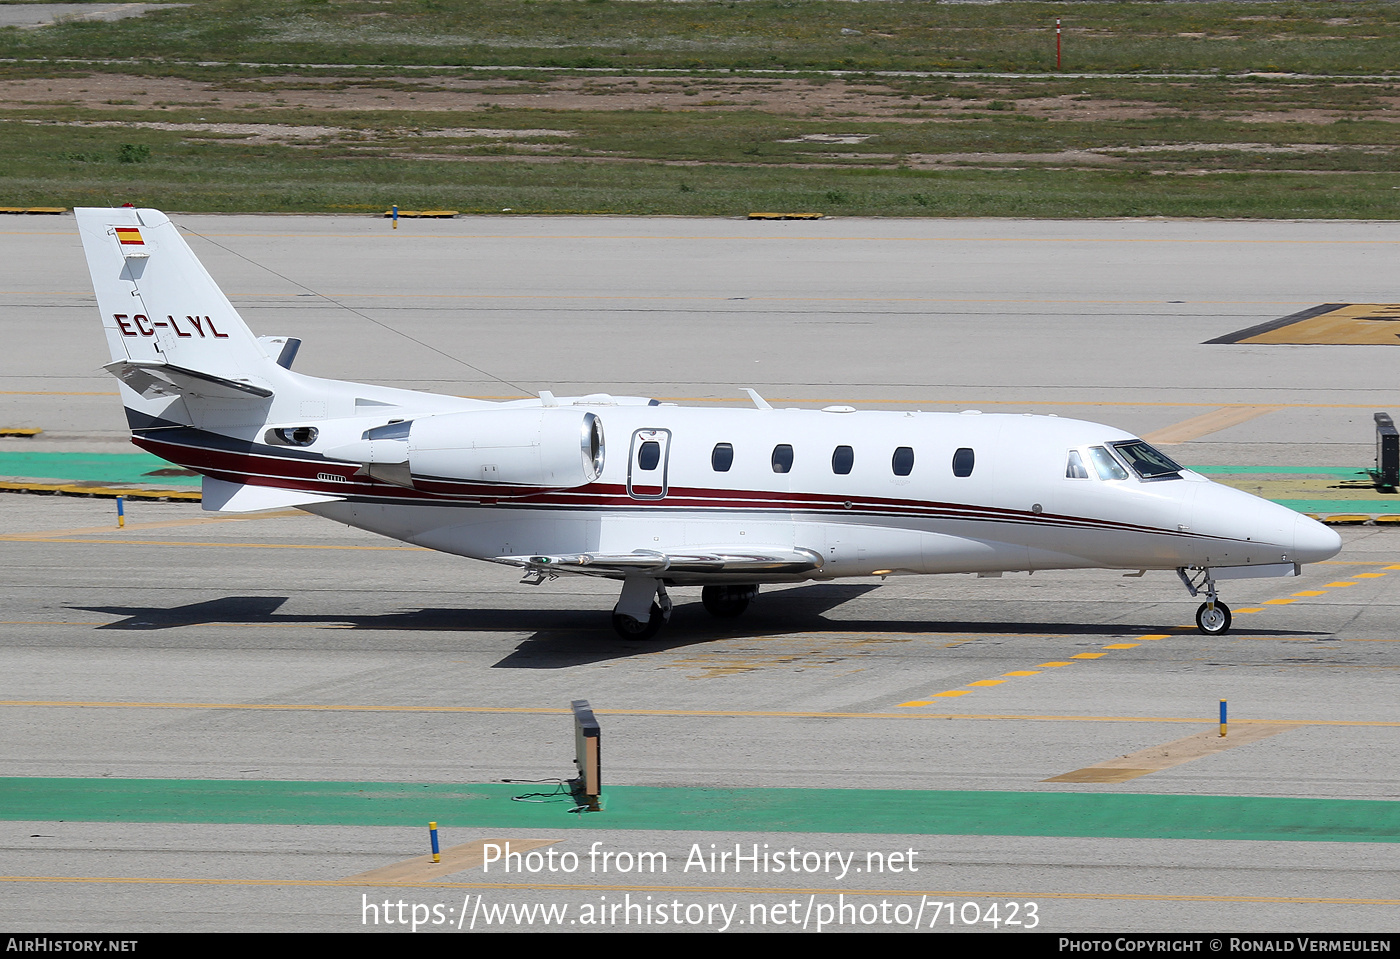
x,y
988,682
953,692
1156,758
1052,665
1368,575
1157,636
755,714
1393,567
1211,422
468,855
1278,639
1278,602
1023,672
1339,585
1312,592
1122,646
689,890
917,702
1088,655
165,524
78,489
1252,609
1351,323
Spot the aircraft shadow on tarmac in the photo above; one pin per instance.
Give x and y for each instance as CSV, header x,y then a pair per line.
x,y
569,637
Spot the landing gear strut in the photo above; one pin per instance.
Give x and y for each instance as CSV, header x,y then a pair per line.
x,y
637,616
1213,616
727,602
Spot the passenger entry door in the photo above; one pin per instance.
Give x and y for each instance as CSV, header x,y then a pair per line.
x,y
646,467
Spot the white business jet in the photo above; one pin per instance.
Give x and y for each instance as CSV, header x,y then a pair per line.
x,y
652,494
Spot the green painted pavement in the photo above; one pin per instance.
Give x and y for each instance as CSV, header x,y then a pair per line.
x,y
1353,507
884,811
1282,470
93,467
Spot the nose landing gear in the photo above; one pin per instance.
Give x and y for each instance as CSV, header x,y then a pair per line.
x,y
1213,616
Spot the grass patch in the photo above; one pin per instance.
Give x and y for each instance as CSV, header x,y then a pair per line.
x,y
1315,37
249,133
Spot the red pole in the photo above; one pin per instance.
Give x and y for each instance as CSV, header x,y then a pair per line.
x,y
1057,43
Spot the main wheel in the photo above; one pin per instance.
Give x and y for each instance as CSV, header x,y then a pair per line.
x,y
1213,619
725,602
636,630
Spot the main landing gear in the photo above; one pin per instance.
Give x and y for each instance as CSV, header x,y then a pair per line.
x,y
1213,616
637,616
726,602
643,608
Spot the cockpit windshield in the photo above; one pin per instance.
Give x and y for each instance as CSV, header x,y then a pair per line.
x,y
1147,462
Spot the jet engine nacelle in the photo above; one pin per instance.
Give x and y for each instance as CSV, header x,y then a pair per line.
x,y
510,450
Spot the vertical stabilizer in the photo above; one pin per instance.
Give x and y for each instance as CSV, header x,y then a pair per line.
x,y
166,320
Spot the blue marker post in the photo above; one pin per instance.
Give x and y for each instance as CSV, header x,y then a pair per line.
x,y
1222,719
432,831
396,216
121,512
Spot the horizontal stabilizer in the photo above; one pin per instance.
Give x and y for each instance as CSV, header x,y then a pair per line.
x,y
152,379
719,560
224,497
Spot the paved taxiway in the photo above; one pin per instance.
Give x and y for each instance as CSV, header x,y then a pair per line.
x,y
814,688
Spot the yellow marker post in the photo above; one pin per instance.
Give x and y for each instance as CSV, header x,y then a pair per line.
x,y
1222,719
432,831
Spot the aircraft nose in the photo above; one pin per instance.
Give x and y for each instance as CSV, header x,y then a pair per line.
x,y
1313,542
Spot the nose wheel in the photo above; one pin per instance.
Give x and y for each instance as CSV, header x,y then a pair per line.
x,y
1213,619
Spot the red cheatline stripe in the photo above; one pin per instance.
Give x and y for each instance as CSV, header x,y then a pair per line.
x,y
301,474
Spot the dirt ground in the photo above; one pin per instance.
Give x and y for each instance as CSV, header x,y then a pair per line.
x,y
845,103
778,96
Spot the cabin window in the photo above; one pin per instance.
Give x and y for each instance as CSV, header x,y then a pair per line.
x,y
1075,469
963,462
1105,465
903,461
842,459
782,458
649,455
722,457
1147,462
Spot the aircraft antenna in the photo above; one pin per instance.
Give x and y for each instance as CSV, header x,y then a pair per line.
x,y
363,316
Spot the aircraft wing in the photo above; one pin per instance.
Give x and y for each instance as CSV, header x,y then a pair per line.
x,y
697,564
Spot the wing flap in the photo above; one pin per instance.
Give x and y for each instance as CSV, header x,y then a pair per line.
x,y
724,560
